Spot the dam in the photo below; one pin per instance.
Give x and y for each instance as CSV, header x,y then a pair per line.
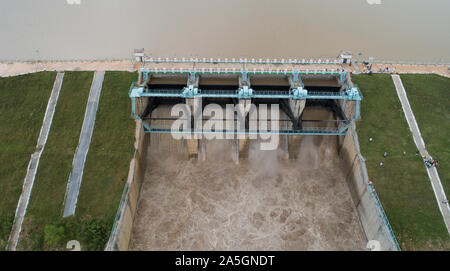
x,y
258,155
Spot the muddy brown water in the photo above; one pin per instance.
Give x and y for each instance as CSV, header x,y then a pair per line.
x,y
266,202
55,30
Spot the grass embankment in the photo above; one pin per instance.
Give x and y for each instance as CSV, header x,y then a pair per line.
x,y
111,150
46,202
429,96
22,108
105,170
402,183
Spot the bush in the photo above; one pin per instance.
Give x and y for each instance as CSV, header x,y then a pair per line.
x,y
94,234
53,234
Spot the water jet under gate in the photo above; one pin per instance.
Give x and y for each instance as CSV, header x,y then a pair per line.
x,y
197,194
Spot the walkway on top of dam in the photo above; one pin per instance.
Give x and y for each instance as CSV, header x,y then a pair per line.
x,y
74,183
34,163
167,65
418,140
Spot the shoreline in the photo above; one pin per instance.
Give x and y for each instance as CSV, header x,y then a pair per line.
x,y
8,69
21,68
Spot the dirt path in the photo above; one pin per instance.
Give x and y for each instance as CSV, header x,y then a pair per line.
x,y
18,68
34,163
441,70
432,172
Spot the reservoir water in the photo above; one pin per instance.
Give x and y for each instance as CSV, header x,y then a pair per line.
x,y
413,30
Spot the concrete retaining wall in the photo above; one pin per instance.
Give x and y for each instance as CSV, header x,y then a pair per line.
x,y
371,214
123,224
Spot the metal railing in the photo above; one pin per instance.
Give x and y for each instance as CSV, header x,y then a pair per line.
x,y
160,129
243,60
270,94
238,71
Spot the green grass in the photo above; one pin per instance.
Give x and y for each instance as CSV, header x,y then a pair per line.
x,y
22,109
46,202
429,96
111,150
105,171
402,183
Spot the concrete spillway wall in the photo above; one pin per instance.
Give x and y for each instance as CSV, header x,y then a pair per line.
x,y
123,224
371,214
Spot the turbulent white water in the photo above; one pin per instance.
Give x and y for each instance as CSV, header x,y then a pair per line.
x,y
265,202
102,29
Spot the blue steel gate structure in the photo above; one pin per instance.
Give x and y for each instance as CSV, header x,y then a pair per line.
x,y
348,92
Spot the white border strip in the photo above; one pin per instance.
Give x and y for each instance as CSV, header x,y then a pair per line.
x,y
87,130
401,91
28,183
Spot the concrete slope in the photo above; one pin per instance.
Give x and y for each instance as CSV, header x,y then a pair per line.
x,y
34,163
432,172
74,184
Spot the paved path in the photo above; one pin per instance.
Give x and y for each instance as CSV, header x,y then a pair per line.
x,y
432,172
34,163
73,186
